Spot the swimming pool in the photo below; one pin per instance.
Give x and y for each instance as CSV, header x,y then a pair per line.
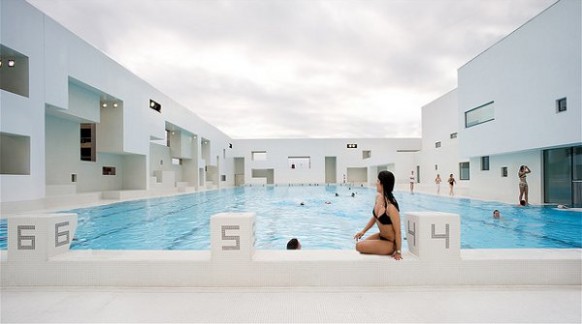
x,y
183,222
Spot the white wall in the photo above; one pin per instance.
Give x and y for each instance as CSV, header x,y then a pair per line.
x,y
524,74
63,156
490,185
22,30
383,151
70,77
110,129
439,121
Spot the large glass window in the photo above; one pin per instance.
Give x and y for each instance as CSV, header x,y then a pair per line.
x,y
558,176
479,115
464,171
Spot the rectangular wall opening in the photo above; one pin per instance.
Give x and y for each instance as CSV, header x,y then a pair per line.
x,y
330,169
88,145
13,71
299,162
258,155
14,154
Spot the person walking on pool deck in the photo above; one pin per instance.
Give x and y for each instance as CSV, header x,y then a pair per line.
x,y
412,180
386,215
438,181
451,182
523,187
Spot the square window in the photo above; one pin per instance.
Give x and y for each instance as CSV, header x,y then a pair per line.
x,y
454,135
437,144
108,170
504,172
561,105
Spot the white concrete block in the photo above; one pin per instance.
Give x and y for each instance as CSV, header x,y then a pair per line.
x,y
232,236
33,238
434,235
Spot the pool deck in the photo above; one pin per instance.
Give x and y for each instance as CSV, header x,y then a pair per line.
x,y
471,304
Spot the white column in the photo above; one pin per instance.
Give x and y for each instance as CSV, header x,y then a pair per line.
x,y
39,237
232,236
434,235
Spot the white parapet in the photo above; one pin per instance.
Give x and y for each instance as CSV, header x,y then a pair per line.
x,y
232,236
34,238
434,235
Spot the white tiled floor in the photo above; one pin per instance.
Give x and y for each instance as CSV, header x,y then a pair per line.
x,y
545,304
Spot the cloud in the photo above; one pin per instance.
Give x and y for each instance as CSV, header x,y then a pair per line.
x,y
302,68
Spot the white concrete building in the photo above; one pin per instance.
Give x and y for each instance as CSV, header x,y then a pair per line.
x,y
518,103
74,122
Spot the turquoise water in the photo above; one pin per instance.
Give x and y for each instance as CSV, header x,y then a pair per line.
x,y
183,222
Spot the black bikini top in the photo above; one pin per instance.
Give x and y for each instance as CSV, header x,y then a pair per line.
x,y
383,219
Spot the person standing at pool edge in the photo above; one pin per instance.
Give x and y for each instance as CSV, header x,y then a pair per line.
x,y
523,187
438,181
386,215
412,180
451,182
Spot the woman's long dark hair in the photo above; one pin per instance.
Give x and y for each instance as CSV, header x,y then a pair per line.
x,y
387,181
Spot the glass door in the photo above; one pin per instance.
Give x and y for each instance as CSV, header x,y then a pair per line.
x,y
563,176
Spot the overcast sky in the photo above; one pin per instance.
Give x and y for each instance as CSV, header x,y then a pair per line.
x,y
318,69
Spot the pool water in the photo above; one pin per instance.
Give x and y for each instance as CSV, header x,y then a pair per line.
x,y
183,222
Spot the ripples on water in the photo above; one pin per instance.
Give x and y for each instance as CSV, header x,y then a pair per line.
x,y
183,222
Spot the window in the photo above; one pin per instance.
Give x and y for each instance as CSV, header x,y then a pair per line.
x,y
504,172
454,135
168,137
108,170
259,155
352,145
88,147
561,105
479,115
223,177
437,144
436,167
177,161
299,162
464,171
484,163
14,154
155,106
366,154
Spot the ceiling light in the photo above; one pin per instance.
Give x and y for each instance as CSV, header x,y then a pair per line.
x,y
104,105
0,63
115,105
11,63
